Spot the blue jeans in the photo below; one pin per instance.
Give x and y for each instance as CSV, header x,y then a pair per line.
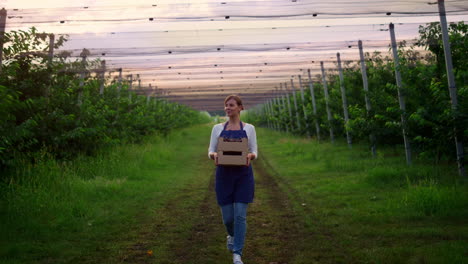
x,y
235,220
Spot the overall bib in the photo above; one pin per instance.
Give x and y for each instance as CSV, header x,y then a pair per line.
x,y
234,184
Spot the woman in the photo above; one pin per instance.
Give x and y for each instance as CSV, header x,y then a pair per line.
x,y
234,184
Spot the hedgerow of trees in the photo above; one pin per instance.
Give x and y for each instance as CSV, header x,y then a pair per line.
x,y
429,113
44,109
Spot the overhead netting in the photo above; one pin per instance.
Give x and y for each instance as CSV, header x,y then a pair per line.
x,y
198,51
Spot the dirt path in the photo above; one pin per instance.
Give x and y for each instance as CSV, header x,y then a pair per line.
x,y
190,229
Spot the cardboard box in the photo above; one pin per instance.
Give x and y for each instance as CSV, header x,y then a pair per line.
x,y
232,151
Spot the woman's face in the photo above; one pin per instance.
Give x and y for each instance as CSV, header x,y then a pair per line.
x,y
232,108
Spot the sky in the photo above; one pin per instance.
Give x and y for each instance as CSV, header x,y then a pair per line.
x,y
194,50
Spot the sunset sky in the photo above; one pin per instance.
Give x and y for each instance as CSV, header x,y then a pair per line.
x,y
210,48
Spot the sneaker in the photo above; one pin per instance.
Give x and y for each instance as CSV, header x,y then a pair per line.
x,y
230,243
236,259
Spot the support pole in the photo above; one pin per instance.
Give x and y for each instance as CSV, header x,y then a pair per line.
x,y
139,83
273,114
295,106
103,72
277,109
148,97
304,106
451,85
366,96
344,100
283,100
314,105
51,48
119,85
327,99
49,64
401,94
289,107
268,114
130,87
3,16
82,77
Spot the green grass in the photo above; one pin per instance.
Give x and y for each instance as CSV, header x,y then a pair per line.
x,y
343,206
75,211
359,209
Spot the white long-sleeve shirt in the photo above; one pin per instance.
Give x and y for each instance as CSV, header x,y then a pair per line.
x,y
251,135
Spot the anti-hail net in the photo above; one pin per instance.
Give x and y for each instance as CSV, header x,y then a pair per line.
x,y
206,49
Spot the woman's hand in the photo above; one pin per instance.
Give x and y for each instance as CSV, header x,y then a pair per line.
x,y
214,156
250,156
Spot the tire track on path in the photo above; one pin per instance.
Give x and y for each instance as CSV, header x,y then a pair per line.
x,y
273,232
316,243
189,229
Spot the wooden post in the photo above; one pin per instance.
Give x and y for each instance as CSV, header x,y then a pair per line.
x,y
366,96
51,48
103,72
279,101
401,94
295,106
277,109
49,64
148,97
273,110
452,86
82,77
327,99
344,100
268,114
304,109
314,106
3,16
119,85
139,83
289,106
283,99
270,108
130,87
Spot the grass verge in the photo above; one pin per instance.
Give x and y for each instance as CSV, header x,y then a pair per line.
x,y
359,209
86,211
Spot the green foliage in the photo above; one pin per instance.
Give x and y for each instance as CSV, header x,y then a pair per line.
x,y
428,198
44,106
429,114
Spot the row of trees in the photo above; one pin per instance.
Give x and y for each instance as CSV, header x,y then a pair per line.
x,y
430,118
46,107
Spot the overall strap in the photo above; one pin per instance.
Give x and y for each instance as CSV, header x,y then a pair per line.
x,y
241,126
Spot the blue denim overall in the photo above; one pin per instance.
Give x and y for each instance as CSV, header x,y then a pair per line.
x,y
234,184
234,190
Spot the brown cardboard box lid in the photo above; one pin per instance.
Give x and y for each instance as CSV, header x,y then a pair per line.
x,y
237,160
242,145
